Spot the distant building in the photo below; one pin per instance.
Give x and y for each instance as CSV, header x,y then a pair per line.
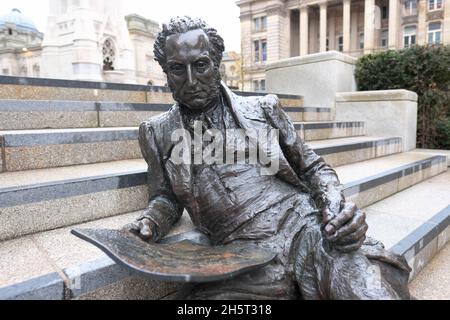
x,y
279,29
231,71
85,40
20,45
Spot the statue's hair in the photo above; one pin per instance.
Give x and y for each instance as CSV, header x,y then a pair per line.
x,y
182,25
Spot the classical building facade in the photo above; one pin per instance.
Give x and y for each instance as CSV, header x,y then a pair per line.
x,y
20,45
85,40
278,29
231,70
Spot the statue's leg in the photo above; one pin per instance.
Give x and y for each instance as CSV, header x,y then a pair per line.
x,y
325,273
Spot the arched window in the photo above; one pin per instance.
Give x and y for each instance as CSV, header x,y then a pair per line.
x,y
150,83
409,36
434,33
109,55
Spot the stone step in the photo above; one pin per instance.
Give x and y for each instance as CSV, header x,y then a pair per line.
x,y
84,193
433,282
342,151
38,149
310,131
373,180
65,267
22,88
64,114
49,148
414,222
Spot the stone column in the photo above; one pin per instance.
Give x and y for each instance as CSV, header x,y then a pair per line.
x,y
304,31
346,25
394,31
332,32
369,25
323,27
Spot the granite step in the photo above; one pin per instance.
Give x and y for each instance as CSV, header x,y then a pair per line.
x,y
311,131
65,114
65,267
414,222
49,148
433,282
342,151
23,88
39,200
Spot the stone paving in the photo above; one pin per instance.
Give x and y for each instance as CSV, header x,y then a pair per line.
x,y
433,283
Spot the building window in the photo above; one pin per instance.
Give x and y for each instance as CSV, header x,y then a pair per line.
x,y
5,72
341,43
264,50
109,55
410,7
256,43
384,12
434,33
260,50
256,85
409,36
262,85
361,40
23,71
327,44
384,38
260,24
36,71
10,32
259,85
434,5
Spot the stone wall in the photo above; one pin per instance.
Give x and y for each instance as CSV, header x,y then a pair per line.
x,y
317,77
386,113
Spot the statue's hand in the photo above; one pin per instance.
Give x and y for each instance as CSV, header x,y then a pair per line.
x,y
142,228
346,231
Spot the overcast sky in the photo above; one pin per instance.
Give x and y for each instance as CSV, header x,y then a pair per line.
x,y
220,14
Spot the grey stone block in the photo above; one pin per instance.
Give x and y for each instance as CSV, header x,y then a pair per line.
x,y
48,287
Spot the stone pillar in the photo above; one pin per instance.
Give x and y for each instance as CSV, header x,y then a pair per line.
x,y
346,25
394,31
332,32
369,26
323,27
304,31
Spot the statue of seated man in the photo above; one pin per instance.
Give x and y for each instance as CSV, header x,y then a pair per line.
x,y
299,212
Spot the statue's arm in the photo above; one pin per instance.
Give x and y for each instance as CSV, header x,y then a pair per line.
x,y
163,210
323,181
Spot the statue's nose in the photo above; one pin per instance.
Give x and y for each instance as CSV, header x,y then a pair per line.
x,y
191,78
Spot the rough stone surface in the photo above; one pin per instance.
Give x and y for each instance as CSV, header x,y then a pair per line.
x,y
26,92
38,157
132,288
47,215
21,260
433,282
47,120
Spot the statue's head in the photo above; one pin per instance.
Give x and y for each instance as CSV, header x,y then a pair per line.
x,y
190,54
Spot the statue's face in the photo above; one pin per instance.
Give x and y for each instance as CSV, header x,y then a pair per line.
x,y
190,70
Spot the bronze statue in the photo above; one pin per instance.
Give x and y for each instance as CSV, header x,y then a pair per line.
x,y
300,212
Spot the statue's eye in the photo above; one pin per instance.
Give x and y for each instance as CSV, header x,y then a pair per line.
x,y
177,68
201,65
